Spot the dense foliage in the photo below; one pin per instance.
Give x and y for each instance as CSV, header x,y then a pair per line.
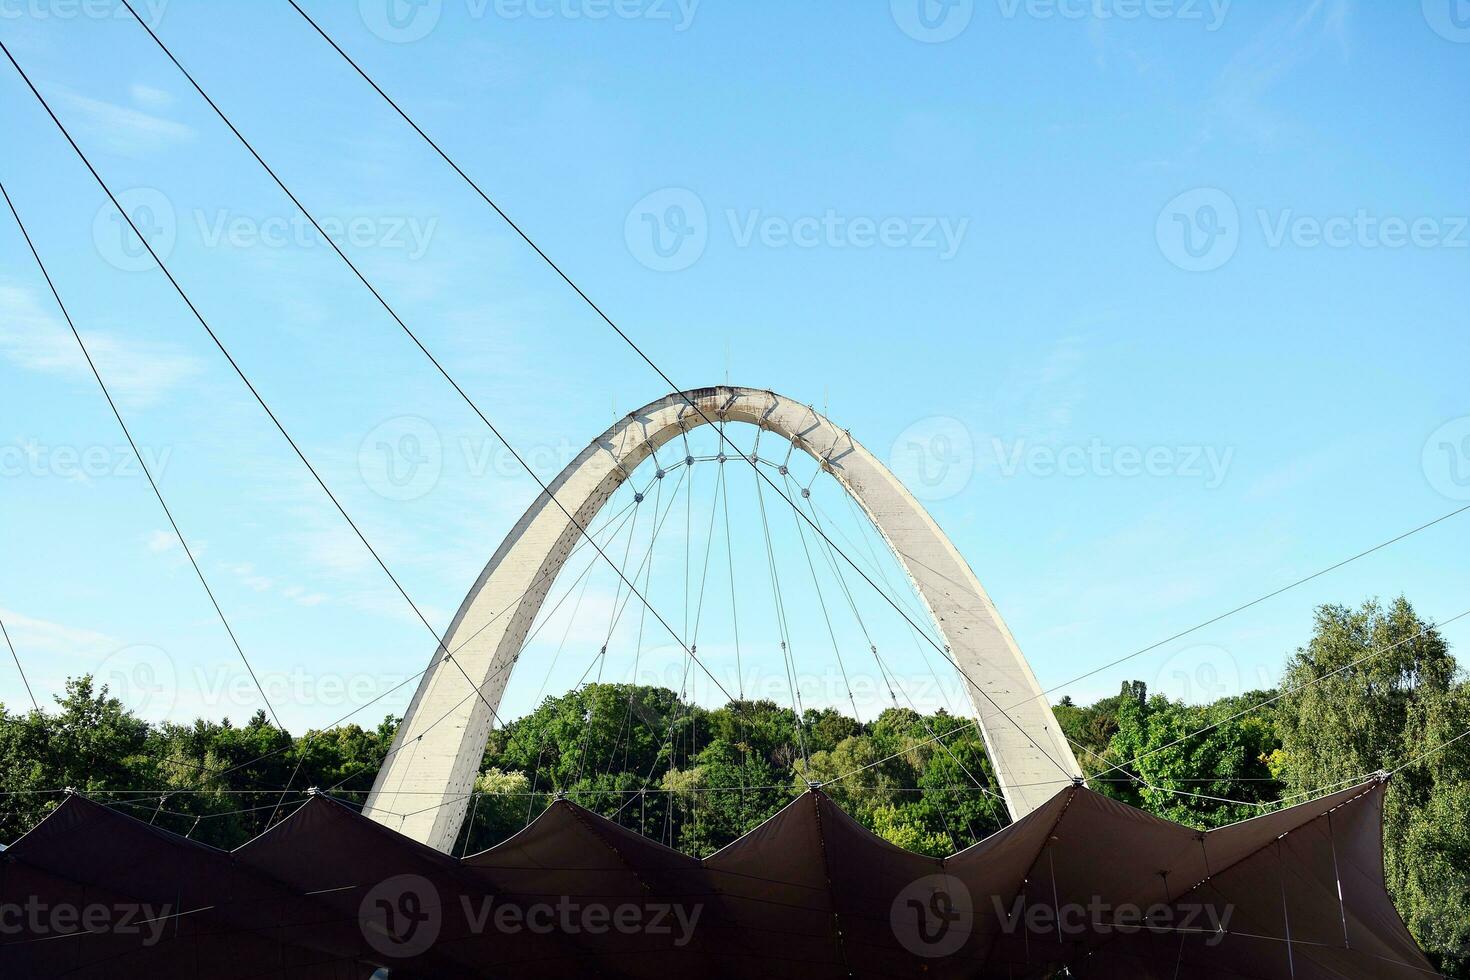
x,y
1374,688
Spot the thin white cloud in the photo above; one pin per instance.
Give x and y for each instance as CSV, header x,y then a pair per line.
x,y
128,131
42,637
160,541
249,577
138,373
148,97
1241,102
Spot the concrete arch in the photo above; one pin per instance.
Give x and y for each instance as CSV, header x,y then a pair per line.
x,y
422,787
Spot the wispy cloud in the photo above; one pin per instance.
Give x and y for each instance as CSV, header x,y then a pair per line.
x,y
40,636
148,97
1240,103
128,130
159,542
138,373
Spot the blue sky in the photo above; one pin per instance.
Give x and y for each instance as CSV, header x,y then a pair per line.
x,y
1158,306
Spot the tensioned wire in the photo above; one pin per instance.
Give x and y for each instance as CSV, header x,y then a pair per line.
x,y
147,471
1371,655
13,655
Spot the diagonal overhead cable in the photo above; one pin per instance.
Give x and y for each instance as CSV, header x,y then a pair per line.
x,y
674,387
1285,692
13,655
153,483
1256,601
484,418
238,371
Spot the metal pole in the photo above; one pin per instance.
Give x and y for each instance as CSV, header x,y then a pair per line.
x,y
1285,911
1341,903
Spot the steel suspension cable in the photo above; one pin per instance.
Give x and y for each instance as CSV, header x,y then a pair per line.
x,y
1371,655
15,656
889,678
786,652
147,471
1256,601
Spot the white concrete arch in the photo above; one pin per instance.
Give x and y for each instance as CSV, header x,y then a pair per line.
x,y
422,787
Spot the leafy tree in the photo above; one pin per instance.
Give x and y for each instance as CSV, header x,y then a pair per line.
x,y
1206,780
1376,688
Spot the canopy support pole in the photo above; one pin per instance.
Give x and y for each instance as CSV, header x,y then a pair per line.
x,y
1337,873
1285,910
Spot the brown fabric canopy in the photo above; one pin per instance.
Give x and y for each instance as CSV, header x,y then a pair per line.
x,y
1084,887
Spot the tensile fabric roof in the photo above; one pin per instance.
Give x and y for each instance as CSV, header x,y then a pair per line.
x,y
1083,887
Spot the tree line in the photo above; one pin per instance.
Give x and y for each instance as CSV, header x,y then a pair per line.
x,y
1374,688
